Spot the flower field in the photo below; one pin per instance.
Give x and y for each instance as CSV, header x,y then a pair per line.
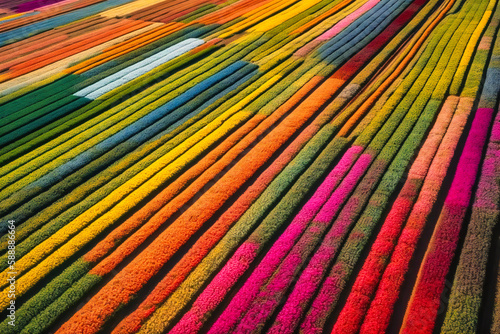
x,y
249,166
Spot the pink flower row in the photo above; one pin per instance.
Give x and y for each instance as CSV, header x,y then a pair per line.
x,y
431,278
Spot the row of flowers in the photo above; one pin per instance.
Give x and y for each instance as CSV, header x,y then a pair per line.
x,y
194,318
233,169
138,272
349,319
215,124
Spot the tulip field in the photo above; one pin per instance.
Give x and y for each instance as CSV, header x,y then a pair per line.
x,y
249,166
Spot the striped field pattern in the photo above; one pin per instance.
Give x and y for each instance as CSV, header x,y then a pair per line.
x,y
249,166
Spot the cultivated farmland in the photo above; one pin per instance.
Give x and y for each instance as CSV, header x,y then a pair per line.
x,y
249,166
